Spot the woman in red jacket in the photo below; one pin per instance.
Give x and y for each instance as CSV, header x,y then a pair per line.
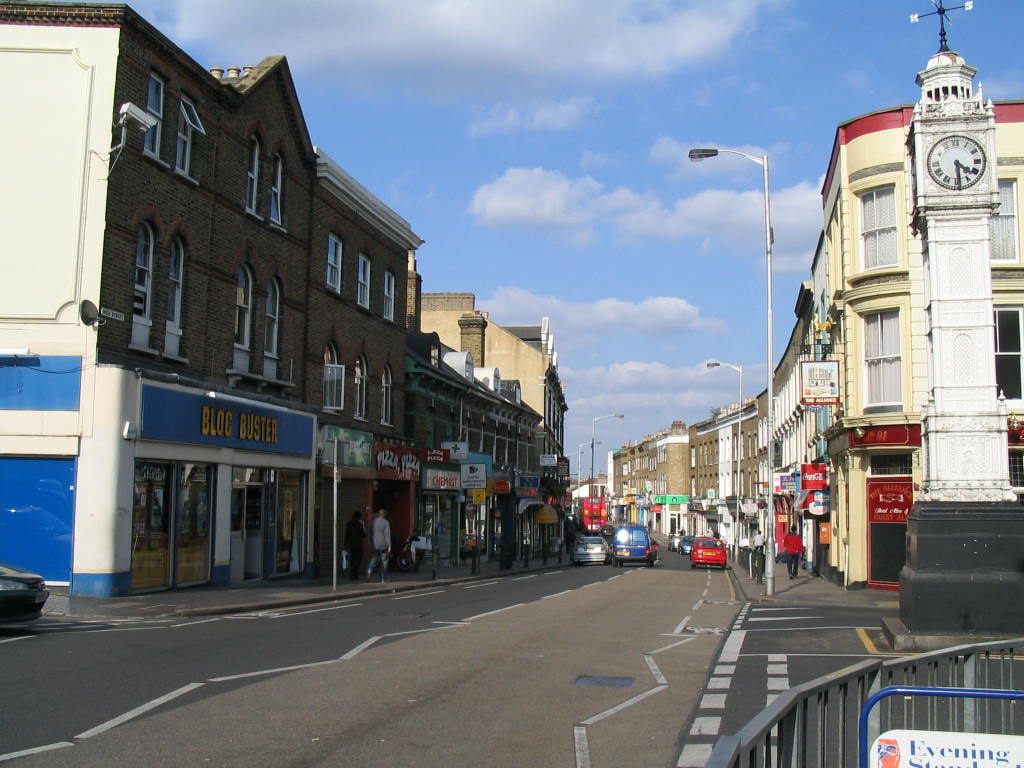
x,y
793,547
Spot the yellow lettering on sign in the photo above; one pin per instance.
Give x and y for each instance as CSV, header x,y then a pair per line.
x,y
216,422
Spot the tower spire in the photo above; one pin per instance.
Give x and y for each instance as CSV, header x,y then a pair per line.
x,y
941,11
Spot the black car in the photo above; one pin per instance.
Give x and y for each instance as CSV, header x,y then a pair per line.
x,y
22,594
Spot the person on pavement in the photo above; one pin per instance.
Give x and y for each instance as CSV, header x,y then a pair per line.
x,y
380,540
793,547
355,535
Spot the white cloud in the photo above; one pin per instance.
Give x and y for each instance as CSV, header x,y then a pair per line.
x,y
536,198
450,46
579,324
549,116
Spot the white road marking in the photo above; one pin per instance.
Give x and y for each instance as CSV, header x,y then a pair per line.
x,y
697,605
419,594
778,669
477,586
523,578
619,707
671,645
582,747
731,648
778,684
694,756
563,592
262,672
658,677
706,726
139,711
35,750
360,648
681,626
491,613
15,639
719,683
752,619
725,669
713,701
193,623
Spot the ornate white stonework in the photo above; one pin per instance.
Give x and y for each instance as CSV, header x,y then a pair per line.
x,y
964,440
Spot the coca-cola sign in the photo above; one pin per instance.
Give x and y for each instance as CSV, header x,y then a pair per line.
x,y
813,477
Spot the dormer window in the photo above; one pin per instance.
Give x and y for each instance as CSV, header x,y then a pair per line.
x,y
435,356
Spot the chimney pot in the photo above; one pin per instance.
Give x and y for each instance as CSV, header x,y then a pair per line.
x,y
217,72
233,71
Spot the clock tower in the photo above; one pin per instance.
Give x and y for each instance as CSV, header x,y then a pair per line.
x,y
961,573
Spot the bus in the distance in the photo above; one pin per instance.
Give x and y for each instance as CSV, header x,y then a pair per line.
x,y
594,515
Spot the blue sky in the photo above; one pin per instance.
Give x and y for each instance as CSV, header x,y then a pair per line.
x,y
539,147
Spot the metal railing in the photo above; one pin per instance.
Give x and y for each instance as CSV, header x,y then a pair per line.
x,y
816,724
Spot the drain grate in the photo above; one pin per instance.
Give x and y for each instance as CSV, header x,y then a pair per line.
x,y
608,682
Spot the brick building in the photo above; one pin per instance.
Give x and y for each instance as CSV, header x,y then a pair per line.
x,y
210,306
651,483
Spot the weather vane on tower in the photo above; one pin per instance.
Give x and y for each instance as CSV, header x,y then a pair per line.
x,y
941,11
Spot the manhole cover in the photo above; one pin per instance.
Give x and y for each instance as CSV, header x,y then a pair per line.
x,y
610,682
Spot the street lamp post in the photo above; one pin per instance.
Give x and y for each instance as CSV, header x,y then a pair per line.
x,y
593,434
696,155
737,450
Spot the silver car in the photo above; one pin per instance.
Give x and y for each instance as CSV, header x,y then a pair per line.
x,y
591,549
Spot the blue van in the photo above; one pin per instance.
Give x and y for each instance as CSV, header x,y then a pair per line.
x,y
632,544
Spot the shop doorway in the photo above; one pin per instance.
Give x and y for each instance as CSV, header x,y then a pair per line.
x,y
247,523
151,542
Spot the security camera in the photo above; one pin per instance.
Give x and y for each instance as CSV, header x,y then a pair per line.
x,y
142,119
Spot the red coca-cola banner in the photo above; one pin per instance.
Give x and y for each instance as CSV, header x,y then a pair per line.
x,y
889,501
814,477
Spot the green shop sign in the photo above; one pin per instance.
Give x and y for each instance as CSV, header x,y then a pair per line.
x,y
671,499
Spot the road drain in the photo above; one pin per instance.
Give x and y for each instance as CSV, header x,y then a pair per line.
x,y
609,682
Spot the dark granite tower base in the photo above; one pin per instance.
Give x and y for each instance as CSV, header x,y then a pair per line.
x,y
964,573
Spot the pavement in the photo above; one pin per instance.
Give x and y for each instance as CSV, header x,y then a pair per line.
x,y
268,594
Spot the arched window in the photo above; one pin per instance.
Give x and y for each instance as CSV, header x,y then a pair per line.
x,y
175,282
243,308
272,323
385,395
252,176
277,190
143,272
334,379
361,383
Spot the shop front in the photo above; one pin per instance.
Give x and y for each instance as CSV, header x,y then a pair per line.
x,y
219,489
438,511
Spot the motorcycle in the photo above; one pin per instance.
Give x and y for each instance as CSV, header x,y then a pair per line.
x,y
407,559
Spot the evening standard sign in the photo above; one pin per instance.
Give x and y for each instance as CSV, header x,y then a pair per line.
x,y
944,749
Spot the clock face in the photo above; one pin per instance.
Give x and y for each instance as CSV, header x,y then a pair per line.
x,y
956,162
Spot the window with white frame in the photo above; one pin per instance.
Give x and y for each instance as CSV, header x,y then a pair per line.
x,y
277,190
1017,470
175,276
878,227
334,380
188,123
389,295
335,250
252,176
1004,224
243,308
155,107
385,396
883,368
1008,352
363,278
361,381
272,326
143,291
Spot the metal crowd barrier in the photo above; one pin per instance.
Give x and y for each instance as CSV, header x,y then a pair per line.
x,y
816,724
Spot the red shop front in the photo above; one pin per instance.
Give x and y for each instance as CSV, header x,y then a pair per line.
x,y
890,500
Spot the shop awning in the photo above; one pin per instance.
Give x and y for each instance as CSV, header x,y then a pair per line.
x,y
546,515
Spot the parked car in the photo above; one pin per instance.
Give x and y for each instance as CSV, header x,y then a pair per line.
x,y
674,541
608,532
686,544
632,544
707,551
22,594
591,549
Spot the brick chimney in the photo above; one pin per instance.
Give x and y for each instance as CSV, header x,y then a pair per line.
x,y
472,326
413,295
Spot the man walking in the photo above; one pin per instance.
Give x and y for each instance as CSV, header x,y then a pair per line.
x,y
355,535
380,540
793,547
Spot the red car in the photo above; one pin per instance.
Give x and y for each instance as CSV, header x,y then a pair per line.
x,y
707,551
